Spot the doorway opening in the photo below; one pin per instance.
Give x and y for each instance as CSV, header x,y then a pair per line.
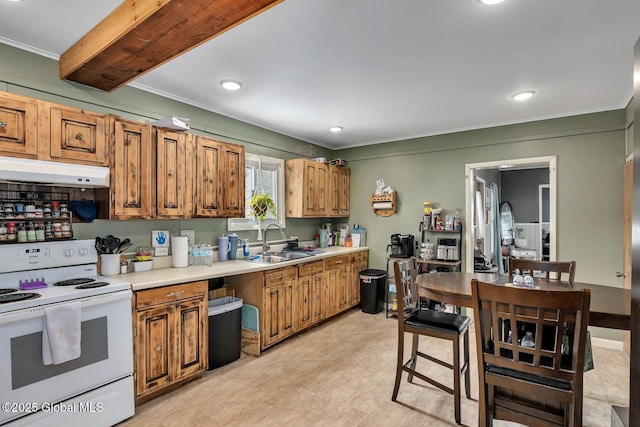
x,y
476,228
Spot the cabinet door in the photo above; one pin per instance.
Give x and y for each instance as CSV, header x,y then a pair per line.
x,y
343,288
322,190
359,262
131,170
280,304
18,126
76,135
232,186
317,303
331,294
305,302
154,348
334,191
191,337
207,178
171,173
309,190
345,191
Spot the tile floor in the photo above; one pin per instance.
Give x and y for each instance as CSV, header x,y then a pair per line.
x,y
341,374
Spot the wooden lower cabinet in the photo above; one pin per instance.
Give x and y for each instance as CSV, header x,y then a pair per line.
x,y
338,270
170,337
280,304
293,299
311,284
359,262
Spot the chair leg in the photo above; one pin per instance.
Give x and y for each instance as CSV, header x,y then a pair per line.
x,y
456,378
414,356
467,374
399,364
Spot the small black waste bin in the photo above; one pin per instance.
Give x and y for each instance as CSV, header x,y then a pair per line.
x,y
373,284
225,320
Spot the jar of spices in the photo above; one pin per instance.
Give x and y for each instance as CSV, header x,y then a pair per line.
x,y
8,210
39,211
19,210
46,210
11,231
22,233
124,267
57,230
55,209
3,231
65,228
31,232
40,232
48,231
64,210
30,211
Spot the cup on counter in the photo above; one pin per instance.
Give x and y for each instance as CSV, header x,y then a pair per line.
x,y
233,246
223,248
109,264
179,251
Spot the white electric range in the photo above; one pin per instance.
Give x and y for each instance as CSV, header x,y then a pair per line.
x,y
93,389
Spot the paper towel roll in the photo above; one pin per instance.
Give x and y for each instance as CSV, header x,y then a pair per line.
x,y
179,251
383,205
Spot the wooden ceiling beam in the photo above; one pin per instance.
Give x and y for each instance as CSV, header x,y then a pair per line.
x,y
140,35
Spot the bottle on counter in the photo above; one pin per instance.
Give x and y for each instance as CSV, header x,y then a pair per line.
x,y
22,233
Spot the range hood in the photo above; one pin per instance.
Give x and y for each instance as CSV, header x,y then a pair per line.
x,y
43,172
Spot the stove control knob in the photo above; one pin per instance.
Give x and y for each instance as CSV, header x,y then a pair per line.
x,y
83,251
69,252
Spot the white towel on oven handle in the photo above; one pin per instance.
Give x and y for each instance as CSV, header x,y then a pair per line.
x,y
61,333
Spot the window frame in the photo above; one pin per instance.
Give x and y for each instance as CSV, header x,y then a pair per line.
x,y
247,224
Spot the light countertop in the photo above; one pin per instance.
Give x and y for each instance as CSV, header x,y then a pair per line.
x,y
172,276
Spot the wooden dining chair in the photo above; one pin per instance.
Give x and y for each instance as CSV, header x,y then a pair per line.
x,y
565,270
535,379
437,324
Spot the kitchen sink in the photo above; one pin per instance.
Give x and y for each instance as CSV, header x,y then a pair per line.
x,y
273,257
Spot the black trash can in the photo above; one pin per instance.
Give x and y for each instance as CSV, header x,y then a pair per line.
x,y
373,284
225,321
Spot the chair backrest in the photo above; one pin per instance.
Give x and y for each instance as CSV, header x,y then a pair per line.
x,y
405,273
543,268
543,356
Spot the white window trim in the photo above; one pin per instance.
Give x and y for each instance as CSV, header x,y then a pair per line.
x,y
244,224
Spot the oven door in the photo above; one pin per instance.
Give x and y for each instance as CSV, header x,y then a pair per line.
x,y
106,355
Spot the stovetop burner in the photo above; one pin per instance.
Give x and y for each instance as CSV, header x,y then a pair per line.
x,y
92,285
17,297
74,282
4,291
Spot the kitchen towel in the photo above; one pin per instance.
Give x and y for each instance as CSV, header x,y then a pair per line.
x,y
179,251
61,333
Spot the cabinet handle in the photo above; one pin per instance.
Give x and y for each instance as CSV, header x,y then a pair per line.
x,y
158,348
338,262
134,170
79,137
170,173
175,294
3,124
191,338
281,276
620,274
312,268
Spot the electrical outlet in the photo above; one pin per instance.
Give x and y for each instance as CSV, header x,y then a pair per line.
x,y
191,235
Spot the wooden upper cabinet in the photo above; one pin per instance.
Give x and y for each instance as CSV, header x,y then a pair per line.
x,y
345,191
307,184
75,135
18,126
131,170
219,180
207,179
334,191
173,173
233,158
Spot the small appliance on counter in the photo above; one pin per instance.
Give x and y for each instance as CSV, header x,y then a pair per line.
x,y
401,245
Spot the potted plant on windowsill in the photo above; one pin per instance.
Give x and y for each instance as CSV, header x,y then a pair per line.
x,y
262,204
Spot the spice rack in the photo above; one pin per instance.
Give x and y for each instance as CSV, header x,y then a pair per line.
x,y
34,216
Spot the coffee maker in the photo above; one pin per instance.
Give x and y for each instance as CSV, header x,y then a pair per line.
x,y
401,245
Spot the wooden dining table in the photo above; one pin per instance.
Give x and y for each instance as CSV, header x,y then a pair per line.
x,y
610,307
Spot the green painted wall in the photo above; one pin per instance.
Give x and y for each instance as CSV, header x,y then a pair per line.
x,y
590,152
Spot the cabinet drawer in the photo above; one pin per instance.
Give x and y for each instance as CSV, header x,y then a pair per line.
x,y
337,262
310,268
280,275
359,256
167,294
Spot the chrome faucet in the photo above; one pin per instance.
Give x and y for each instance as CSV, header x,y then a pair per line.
x,y
266,247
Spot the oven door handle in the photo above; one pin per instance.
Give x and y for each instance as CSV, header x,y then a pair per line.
x,y
35,312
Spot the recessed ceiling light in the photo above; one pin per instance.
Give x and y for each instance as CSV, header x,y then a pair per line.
x,y
335,129
521,96
491,2
231,84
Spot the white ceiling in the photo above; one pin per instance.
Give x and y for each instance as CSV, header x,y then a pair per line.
x,y
385,70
